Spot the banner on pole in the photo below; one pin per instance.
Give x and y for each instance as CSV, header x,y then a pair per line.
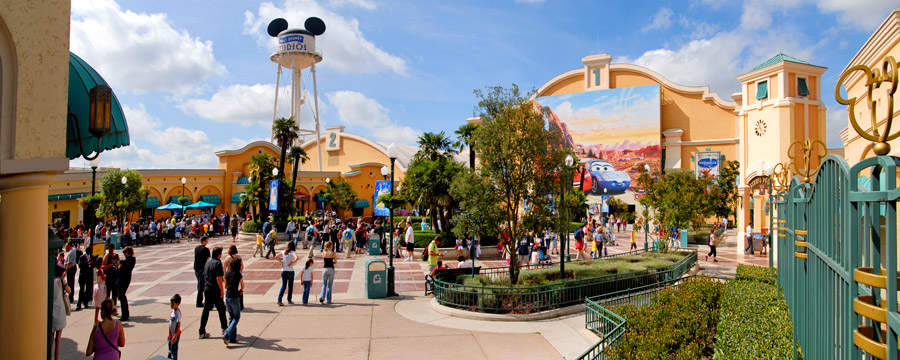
x,y
273,195
382,187
605,207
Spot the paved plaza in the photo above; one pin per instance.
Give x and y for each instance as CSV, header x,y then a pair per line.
x,y
353,327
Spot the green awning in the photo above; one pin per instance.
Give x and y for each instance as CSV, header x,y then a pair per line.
x,y
802,89
362,203
243,180
762,90
212,199
320,198
67,196
83,78
174,199
152,202
236,198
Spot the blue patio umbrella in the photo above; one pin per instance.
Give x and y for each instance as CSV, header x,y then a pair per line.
x,y
200,205
170,206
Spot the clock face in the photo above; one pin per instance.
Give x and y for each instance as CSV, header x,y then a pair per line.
x,y
760,128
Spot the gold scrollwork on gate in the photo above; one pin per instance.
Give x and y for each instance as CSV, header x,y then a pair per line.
x,y
811,149
782,176
874,79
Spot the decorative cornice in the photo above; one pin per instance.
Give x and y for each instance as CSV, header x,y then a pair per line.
x,y
703,90
247,147
887,34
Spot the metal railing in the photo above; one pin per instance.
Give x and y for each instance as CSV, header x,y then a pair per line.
x,y
497,273
530,299
610,326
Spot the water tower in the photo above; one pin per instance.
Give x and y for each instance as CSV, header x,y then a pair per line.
x,y
297,51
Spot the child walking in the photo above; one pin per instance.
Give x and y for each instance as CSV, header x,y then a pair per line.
x,y
174,326
259,243
307,278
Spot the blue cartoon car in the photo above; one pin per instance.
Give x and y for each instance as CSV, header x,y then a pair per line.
x,y
604,176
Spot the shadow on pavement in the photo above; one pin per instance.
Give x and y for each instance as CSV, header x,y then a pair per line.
x,y
143,319
266,344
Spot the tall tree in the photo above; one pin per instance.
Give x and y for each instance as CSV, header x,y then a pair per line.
x,y
285,132
340,195
517,157
427,184
298,156
434,146
480,203
122,199
465,138
261,166
724,191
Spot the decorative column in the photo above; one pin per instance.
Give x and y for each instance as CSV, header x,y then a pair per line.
x,y
23,238
672,144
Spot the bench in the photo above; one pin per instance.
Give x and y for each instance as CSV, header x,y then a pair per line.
x,y
429,281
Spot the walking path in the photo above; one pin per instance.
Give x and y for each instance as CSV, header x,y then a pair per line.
x,y
351,327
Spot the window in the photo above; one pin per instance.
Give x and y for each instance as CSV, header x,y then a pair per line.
x,y
762,90
802,89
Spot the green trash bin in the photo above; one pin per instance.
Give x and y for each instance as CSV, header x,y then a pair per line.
x,y
116,239
374,244
376,279
683,238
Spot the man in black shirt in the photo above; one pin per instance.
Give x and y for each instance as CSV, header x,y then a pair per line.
x,y
214,290
125,279
201,255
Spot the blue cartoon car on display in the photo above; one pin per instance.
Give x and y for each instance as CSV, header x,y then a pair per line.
x,y
602,175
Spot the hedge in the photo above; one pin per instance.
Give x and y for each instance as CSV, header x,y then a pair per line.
x,y
756,273
680,324
252,226
753,323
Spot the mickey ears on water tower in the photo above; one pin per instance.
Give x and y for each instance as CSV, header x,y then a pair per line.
x,y
313,24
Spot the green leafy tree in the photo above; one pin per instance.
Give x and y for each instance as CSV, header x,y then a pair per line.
x,y
122,199
465,137
340,195
298,156
679,198
434,146
261,166
724,191
617,206
285,133
517,158
478,198
250,199
427,184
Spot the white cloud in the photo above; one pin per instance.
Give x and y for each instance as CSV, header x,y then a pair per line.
x,y
835,120
242,104
139,52
865,15
660,21
343,45
365,4
355,109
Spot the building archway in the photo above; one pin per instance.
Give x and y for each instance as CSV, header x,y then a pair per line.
x,y
210,193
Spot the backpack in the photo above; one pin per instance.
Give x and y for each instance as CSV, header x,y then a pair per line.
x,y
425,254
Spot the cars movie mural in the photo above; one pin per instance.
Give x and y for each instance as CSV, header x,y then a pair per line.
x,y
614,132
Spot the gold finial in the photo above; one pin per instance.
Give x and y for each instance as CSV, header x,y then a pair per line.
x,y
809,149
874,78
781,177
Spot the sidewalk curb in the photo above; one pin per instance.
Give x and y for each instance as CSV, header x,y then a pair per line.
x,y
549,314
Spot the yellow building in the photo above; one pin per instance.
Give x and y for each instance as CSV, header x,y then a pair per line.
x,y
779,102
346,156
884,42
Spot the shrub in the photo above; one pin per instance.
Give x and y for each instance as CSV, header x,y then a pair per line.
x,y
753,324
756,273
680,324
252,226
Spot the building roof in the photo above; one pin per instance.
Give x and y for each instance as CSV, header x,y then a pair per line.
x,y
779,58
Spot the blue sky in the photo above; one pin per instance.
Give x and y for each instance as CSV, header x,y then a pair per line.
x,y
195,76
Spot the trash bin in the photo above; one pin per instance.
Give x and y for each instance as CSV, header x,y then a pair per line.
x,y
374,244
116,239
376,279
683,238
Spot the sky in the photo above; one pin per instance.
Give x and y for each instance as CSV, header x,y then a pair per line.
x,y
627,116
194,77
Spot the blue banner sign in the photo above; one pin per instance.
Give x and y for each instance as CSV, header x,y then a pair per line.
x,y
273,195
605,206
382,187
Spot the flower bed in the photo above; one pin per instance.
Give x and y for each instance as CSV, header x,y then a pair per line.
x,y
542,289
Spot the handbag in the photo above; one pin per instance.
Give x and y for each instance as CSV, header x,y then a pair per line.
x,y
116,348
66,304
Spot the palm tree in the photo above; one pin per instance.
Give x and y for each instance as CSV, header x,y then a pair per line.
x,y
298,156
465,137
249,200
285,133
434,146
262,165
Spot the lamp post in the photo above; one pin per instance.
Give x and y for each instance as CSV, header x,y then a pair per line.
x,y
646,221
122,223
95,163
327,182
769,169
384,173
392,152
565,239
183,181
